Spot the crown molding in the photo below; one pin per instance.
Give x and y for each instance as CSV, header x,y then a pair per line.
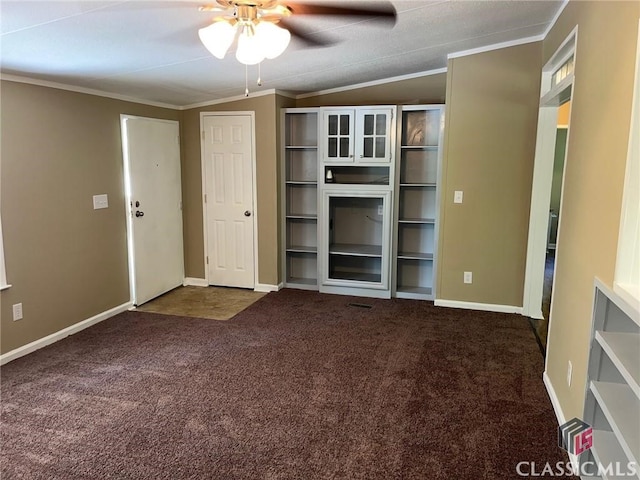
x,y
373,83
271,91
555,18
496,46
87,91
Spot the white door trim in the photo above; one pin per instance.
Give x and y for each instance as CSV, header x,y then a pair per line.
x,y
550,99
254,189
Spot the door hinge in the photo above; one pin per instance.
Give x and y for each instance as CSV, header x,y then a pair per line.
x,y
207,260
205,198
202,134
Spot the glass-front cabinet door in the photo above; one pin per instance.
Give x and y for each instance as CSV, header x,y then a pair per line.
x,y
356,236
338,135
373,134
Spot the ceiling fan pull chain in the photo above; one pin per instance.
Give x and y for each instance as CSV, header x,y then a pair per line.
x,y
259,74
246,80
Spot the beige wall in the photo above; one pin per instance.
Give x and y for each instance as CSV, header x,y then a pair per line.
x,y
421,90
266,119
593,180
491,116
66,261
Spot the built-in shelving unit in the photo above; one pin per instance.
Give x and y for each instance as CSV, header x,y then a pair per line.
x,y
612,400
417,193
300,199
361,199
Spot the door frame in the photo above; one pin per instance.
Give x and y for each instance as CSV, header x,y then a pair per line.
x,y
551,97
254,190
127,199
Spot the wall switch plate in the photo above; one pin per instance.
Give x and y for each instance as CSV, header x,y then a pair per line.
x,y
569,373
468,277
100,201
457,196
17,312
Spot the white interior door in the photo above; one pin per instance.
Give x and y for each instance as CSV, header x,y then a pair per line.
x,y
228,171
154,195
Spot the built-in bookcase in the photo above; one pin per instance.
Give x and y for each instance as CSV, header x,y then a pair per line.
x,y
612,399
417,194
300,199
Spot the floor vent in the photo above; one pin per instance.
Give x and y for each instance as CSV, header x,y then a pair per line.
x,y
360,305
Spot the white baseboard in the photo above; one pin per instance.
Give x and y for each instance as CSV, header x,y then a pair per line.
x,y
195,282
266,288
486,307
560,416
59,335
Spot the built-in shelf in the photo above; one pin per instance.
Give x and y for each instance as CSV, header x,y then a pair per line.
x,y
622,349
415,185
620,406
612,400
415,256
356,276
355,250
299,159
417,220
419,291
302,249
419,159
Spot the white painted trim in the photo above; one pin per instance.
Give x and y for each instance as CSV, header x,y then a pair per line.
x,y
485,307
542,179
373,83
560,416
87,91
555,18
65,332
229,99
266,288
254,186
5,287
195,282
496,46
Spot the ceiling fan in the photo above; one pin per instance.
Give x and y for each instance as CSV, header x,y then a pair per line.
x,y
263,28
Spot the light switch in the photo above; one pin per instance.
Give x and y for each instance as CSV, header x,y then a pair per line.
x,y
457,196
100,201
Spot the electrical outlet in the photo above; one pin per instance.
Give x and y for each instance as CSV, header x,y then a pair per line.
x,y
569,373
457,196
17,312
380,210
468,277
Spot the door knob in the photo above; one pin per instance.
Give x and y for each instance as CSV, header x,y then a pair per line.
x,y
247,213
139,213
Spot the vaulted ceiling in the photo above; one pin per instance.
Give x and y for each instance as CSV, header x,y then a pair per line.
x,y
150,50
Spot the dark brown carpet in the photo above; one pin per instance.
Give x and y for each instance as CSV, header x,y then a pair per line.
x,y
298,386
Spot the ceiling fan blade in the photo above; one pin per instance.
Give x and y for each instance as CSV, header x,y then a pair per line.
x,y
314,40
384,12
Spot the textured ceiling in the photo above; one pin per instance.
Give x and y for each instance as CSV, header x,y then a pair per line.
x,y
150,50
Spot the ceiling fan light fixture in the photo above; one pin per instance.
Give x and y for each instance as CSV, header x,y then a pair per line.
x,y
272,39
218,37
249,51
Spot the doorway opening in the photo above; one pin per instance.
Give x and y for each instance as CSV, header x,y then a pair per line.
x,y
543,247
562,131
